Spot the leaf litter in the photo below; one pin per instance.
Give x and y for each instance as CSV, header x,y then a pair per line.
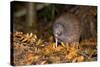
x,y
28,49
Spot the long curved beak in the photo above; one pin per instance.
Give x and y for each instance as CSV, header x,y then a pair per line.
x,y
56,41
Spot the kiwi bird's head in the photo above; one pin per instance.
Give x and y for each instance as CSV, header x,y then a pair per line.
x,y
58,31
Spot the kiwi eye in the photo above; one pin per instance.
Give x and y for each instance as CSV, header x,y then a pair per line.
x,y
59,33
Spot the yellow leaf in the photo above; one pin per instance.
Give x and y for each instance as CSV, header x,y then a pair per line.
x,y
62,44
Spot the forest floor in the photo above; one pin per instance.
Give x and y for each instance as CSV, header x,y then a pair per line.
x,y
28,49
